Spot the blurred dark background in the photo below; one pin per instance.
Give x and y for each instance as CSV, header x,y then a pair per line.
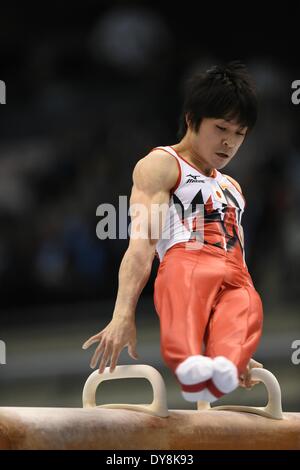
x,y
91,88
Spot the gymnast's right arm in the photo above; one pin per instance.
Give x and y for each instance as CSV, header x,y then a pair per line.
x,y
153,178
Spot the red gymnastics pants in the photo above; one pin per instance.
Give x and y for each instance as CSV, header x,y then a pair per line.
x,y
210,319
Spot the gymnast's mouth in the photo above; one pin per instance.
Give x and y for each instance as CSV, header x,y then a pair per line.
x,y
222,154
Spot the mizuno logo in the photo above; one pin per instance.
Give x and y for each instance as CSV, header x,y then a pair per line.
x,y
193,179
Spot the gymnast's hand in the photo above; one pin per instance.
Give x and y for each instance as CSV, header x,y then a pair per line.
x,y
245,379
119,332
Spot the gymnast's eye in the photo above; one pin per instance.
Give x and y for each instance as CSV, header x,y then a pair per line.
x,y
221,128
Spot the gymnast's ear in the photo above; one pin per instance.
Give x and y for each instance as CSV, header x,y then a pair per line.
x,y
187,119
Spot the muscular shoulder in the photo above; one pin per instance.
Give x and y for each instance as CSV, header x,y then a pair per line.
x,y
156,171
234,182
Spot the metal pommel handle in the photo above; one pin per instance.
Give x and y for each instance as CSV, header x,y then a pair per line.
x,y
158,407
274,406
273,409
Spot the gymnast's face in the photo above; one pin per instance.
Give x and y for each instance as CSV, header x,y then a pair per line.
x,y
217,141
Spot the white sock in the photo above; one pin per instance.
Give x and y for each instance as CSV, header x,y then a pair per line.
x,y
225,375
204,395
195,369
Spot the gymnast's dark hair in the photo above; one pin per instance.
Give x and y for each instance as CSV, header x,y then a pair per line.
x,y
225,92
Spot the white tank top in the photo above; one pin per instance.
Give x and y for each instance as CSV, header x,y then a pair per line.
x,y
207,209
